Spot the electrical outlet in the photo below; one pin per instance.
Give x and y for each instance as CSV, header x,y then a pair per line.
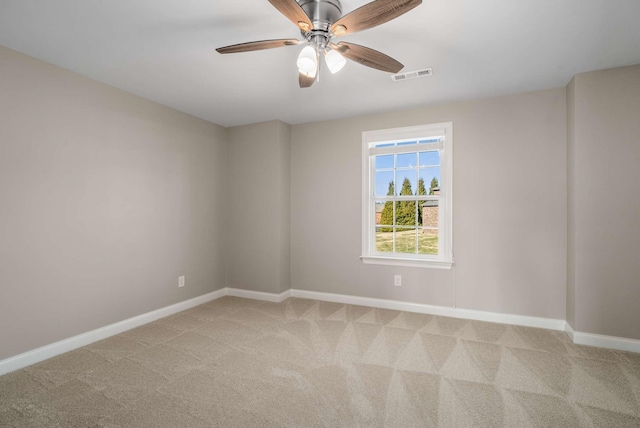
x,y
397,280
181,281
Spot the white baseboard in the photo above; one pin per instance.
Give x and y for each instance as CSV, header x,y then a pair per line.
x,y
49,351
569,330
548,323
259,295
579,338
602,341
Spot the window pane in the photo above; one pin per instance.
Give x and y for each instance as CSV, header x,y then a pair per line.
x,y
407,143
384,213
431,140
406,240
404,160
384,239
428,244
429,158
429,214
428,233
406,183
384,183
384,162
406,214
431,178
420,206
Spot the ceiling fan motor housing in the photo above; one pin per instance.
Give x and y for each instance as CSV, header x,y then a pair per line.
x,y
322,13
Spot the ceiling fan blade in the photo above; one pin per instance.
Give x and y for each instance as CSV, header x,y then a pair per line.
x,y
292,10
372,14
369,57
256,46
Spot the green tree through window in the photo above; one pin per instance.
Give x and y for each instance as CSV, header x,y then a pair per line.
x,y
406,210
387,211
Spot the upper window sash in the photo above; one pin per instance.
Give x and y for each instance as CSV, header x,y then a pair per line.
x,y
407,198
416,133
424,147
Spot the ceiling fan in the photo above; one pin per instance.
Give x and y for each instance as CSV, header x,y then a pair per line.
x,y
319,22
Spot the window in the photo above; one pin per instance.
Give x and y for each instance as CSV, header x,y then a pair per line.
x,y
407,196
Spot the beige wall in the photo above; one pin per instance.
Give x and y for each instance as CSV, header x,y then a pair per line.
x,y
258,207
105,199
605,189
571,206
509,208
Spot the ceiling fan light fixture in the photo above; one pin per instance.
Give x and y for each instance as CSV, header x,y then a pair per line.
x,y
319,22
307,60
335,61
311,74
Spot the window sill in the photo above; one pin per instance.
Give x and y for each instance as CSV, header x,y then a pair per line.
x,y
406,262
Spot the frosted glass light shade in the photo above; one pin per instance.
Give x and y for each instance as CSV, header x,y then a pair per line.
x,y
307,60
335,61
311,74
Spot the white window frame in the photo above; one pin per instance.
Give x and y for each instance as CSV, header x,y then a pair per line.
x,y
444,259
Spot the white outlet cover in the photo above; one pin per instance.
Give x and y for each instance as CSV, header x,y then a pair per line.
x,y
181,281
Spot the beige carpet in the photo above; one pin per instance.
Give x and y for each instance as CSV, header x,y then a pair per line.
x,y
302,363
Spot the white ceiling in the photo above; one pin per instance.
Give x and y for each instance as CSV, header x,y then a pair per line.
x,y
164,50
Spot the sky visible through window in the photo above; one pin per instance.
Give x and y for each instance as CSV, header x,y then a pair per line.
x,y
414,166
